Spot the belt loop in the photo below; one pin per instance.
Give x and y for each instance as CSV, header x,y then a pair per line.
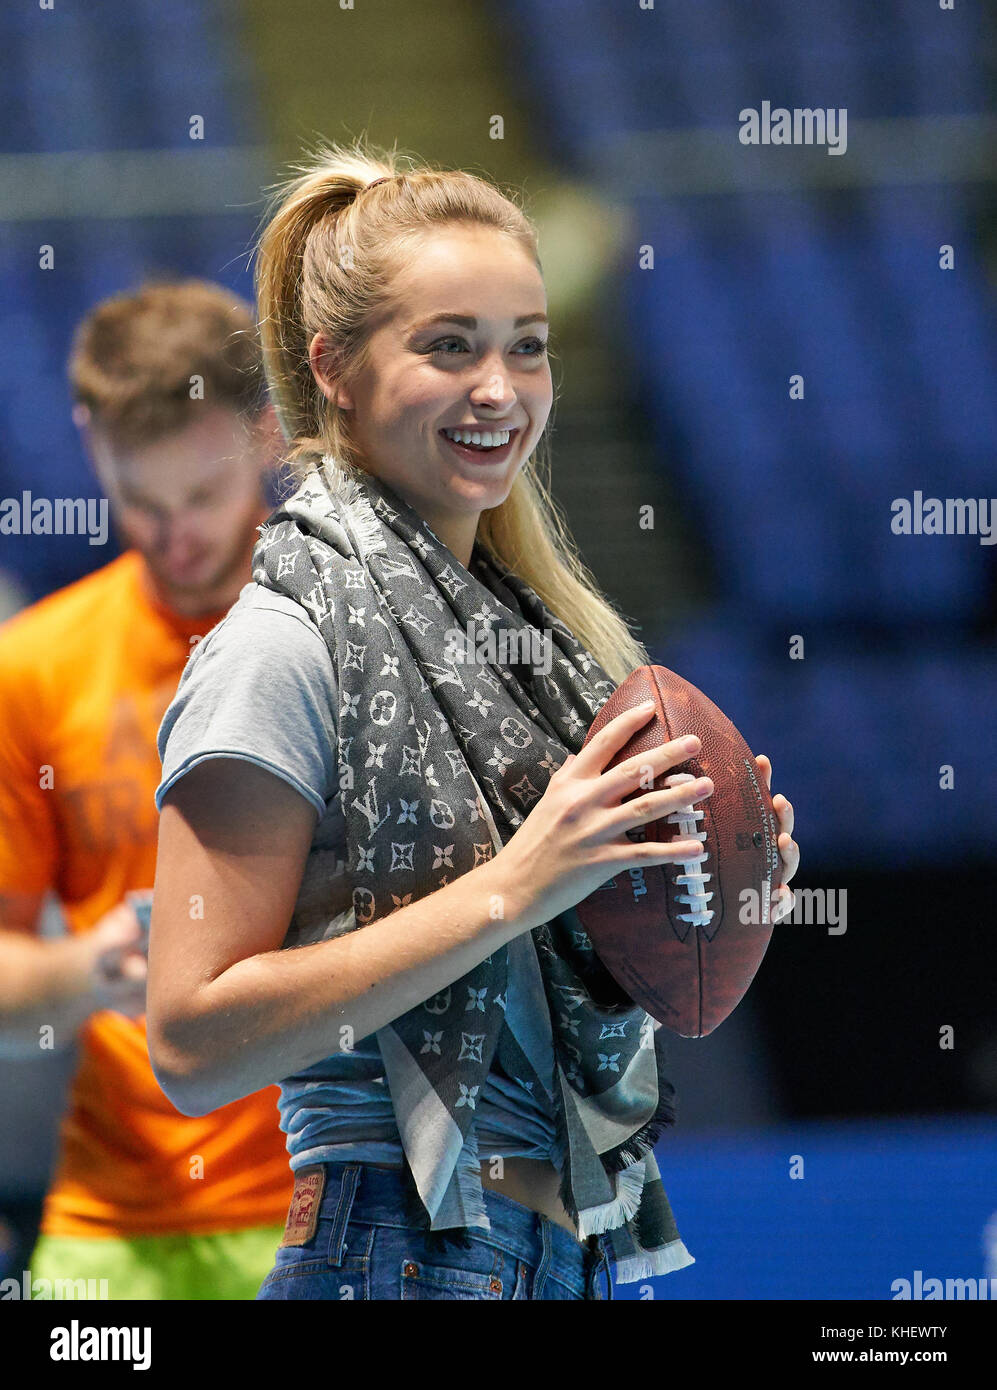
x,y
539,1279
349,1182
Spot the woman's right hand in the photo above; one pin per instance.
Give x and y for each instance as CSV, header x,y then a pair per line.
x,y
575,837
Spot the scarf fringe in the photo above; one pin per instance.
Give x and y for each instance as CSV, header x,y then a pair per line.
x,y
594,1221
441,1241
616,1160
348,490
632,1150
649,1263
468,1173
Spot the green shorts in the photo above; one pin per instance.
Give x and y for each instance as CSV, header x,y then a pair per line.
x,y
222,1265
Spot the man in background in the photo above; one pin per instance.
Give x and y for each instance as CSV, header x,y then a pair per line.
x,y
170,403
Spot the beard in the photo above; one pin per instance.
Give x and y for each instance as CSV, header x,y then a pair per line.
x,y
225,568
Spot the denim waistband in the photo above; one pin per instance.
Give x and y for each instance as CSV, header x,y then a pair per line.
x,y
366,1194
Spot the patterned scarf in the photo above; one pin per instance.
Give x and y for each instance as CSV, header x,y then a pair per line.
x,y
441,756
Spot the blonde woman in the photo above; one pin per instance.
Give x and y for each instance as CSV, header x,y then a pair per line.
x,y
377,815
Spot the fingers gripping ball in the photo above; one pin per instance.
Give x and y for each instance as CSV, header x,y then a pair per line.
x,y
672,935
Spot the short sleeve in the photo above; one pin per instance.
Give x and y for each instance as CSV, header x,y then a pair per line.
x,y
29,835
259,686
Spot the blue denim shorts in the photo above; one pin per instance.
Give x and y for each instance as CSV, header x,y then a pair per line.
x,y
367,1245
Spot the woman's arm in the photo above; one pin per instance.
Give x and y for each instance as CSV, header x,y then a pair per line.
x,y
230,1012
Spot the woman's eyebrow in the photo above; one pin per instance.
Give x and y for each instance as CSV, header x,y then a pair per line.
x,y
469,321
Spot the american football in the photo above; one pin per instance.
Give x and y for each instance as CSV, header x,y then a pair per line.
x,y
672,935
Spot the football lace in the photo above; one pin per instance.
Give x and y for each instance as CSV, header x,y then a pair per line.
x,y
687,819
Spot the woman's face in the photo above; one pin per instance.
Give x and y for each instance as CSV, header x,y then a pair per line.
x,y
462,347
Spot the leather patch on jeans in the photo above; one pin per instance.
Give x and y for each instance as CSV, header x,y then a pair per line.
x,y
302,1214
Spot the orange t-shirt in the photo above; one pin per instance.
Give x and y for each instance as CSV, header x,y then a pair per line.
x,y
86,675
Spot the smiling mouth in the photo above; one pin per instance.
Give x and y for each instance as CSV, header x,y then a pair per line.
x,y
481,453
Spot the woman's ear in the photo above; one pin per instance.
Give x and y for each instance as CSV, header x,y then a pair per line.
x,y
326,367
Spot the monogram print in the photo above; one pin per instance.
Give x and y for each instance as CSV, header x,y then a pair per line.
x,y
440,761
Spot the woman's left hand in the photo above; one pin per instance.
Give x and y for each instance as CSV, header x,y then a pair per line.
x,y
782,898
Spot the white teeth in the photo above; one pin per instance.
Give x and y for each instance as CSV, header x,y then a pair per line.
x,y
487,438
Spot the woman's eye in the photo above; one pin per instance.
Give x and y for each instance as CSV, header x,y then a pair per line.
x,y
438,347
536,346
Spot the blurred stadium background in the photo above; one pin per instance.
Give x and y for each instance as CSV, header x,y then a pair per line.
x,y
771,515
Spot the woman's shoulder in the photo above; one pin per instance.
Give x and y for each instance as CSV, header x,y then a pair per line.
x,y
261,685
261,626
259,605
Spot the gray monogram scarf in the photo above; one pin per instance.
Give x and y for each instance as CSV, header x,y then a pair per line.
x,y
441,756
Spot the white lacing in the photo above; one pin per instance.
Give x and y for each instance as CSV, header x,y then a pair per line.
x,y
692,876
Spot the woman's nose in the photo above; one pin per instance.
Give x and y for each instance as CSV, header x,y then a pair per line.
x,y
496,389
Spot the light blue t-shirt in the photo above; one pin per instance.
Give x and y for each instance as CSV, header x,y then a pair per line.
x,y
261,686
